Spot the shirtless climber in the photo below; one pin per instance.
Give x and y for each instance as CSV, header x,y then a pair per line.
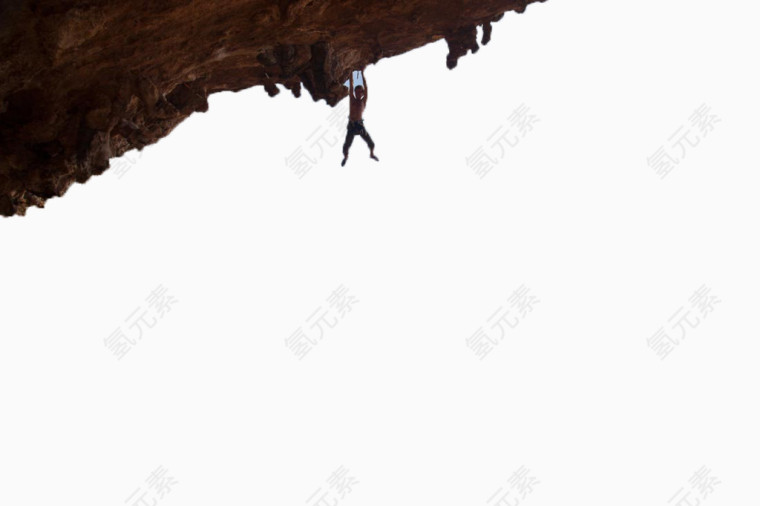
x,y
358,99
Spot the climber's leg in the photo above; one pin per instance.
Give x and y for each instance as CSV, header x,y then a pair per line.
x,y
365,135
350,132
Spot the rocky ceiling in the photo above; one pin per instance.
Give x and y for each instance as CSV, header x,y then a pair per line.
x,y
83,81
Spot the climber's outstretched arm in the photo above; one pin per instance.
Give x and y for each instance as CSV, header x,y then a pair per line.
x,y
351,85
366,90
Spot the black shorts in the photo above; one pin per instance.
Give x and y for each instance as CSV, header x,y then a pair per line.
x,y
356,128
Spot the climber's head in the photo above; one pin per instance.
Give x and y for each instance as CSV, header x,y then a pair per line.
x,y
359,92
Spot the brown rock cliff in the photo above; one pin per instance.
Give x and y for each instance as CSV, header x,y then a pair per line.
x,y
84,81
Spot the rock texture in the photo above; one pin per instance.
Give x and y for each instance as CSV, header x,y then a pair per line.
x,y
83,81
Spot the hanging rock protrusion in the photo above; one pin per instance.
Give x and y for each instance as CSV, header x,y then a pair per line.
x,y
460,41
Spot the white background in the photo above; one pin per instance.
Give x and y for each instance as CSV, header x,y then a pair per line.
x,y
429,250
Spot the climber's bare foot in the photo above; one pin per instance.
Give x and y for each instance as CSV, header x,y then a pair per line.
x,y
343,163
372,155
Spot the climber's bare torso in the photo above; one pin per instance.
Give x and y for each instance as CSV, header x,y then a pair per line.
x,y
358,100
357,108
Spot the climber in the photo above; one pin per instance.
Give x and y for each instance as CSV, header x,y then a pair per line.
x,y
358,101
